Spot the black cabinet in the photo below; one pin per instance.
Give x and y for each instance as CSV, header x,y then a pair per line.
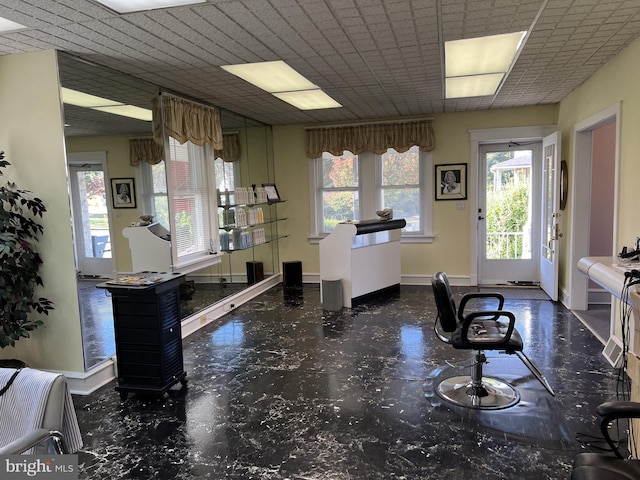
x,y
147,333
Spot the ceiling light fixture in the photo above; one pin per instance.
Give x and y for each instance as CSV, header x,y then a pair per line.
x,y
80,99
283,82
10,26
128,6
468,61
308,99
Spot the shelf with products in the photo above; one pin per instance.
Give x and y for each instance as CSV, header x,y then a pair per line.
x,y
234,226
246,221
230,245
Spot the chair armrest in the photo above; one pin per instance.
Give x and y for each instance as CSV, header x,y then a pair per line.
x,y
26,442
610,411
495,315
470,296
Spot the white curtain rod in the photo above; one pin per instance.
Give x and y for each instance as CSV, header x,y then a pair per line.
x,y
380,122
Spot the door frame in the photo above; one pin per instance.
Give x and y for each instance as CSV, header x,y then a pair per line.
x,y
93,158
491,135
580,194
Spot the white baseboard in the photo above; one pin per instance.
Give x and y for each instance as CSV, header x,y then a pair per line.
x,y
83,383
219,309
458,281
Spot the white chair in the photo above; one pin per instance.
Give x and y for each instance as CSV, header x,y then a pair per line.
x,y
36,413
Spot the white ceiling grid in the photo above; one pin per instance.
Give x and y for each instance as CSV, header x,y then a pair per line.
x,y
378,58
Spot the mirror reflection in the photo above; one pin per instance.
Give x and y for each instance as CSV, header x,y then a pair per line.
x,y
98,153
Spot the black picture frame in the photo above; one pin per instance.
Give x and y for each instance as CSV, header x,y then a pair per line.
x,y
123,192
451,181
272,192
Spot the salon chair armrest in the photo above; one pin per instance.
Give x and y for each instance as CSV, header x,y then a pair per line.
x,y
611,411
30,440
467,297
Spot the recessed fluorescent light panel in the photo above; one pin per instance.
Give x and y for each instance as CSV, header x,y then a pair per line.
x,y
128,6
80,99
308,99
9,26
474,58
130,111
271,76
284,82
473,86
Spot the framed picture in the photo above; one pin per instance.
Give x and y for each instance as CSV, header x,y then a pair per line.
x,y
272,192
451,181
123,192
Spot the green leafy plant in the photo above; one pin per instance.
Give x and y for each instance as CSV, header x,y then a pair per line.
x,y
19,232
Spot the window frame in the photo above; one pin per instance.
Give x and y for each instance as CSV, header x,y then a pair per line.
x,y
370,195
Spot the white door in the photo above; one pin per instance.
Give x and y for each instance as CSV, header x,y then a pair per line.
x,y
549,218
91,220
508,213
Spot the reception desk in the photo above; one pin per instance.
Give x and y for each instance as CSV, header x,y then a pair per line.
x,y
364,256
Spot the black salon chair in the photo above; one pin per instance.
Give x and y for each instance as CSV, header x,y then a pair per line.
x,y
478,331
600,466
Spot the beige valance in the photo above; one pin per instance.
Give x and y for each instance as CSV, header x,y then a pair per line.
x,y
185,120
372,137
231,147
144,150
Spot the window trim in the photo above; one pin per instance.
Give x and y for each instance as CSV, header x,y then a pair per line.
x,y
370,190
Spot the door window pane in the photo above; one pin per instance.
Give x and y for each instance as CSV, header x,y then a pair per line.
x,y
93,211
509,203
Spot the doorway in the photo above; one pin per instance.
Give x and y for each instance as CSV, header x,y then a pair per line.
x,y
509,213
595,169
92,231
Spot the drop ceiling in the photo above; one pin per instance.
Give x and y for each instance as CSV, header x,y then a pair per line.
x,y
378,58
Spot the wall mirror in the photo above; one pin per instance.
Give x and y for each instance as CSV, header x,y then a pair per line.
x,y
97,144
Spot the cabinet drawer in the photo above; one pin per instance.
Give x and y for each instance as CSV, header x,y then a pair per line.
x,y
139,370
132,336
147,357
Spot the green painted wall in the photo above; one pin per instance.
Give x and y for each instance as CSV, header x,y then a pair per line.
x,y
32,138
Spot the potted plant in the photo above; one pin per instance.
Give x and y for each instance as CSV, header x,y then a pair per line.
x,y
19,232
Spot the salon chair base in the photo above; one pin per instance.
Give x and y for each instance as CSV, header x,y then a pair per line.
x,y
490,394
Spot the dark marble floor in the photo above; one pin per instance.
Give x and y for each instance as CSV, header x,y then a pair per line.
x,y
279,389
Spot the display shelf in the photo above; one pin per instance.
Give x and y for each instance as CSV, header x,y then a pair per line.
x,y
245,226
237,205
232,249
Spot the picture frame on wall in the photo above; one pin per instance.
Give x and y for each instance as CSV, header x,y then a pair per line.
x,y
451,181
123,192
272,192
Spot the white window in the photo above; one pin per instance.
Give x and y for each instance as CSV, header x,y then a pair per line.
x,y
154,193
356,186
155,200
226,174
180,193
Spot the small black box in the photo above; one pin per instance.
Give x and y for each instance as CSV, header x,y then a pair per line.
x,y
255,272
292,274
